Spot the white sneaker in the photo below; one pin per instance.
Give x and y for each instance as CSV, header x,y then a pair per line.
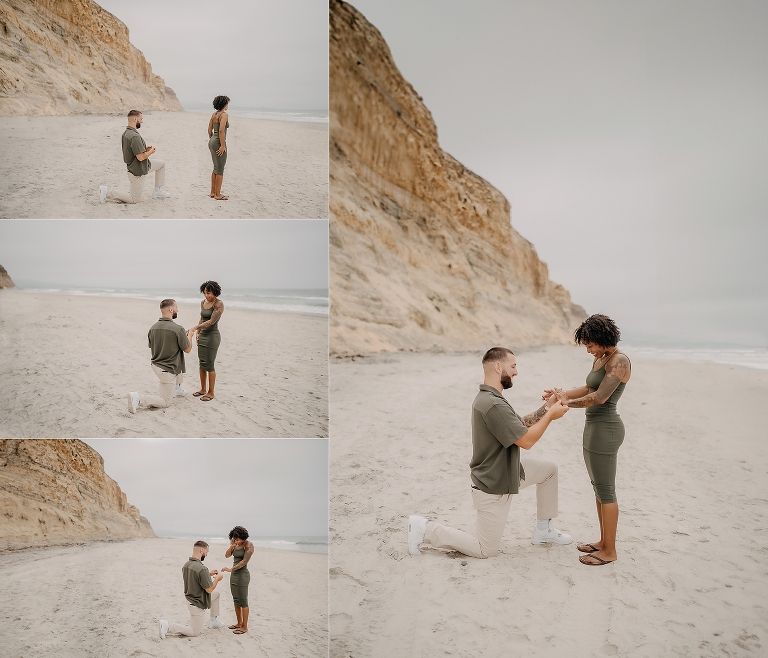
x,y
160,193
215,623
550,536
103,190
180,392
133,402
417,527
164,625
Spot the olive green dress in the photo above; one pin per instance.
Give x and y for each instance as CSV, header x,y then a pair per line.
x,y
603,436
214,144
239,580
208,341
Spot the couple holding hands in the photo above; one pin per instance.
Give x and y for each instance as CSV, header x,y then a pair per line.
x,y
168,343
200,587
498,471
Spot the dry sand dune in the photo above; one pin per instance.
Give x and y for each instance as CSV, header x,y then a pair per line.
x,y
71,361
691,576
105,600
275,169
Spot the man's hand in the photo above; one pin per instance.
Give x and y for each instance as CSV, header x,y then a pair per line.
x,y
214,572
558,410
219,577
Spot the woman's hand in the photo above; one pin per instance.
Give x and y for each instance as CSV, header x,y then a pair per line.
x,y
221,150
225,569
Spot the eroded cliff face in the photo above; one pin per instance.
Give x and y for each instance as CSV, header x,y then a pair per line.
x,y
73,57
5,279
55,491
423,254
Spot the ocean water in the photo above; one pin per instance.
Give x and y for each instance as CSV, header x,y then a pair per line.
x,y
749,357
305,544
300,116
305,301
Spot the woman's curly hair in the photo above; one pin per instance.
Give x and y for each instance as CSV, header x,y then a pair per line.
x,y
598,329
211,286
220,102
238,532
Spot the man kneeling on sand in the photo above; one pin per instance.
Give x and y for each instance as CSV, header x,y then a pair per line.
x,y
199,590
497,470
168,342
136,156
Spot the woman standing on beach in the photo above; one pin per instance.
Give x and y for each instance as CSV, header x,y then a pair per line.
x,y
208,338
217,144
603,427
242,551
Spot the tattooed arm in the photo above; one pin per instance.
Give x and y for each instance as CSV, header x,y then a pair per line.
x,y
615,372
246,557
535,416
218,310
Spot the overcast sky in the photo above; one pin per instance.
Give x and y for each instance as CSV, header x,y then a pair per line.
x,y
166,253
260,53
273,487
630,138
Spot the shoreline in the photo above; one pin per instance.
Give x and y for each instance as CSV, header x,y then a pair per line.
x,y
275,169
72,360
105,599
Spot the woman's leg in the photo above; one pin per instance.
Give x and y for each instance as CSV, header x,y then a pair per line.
x,y
217,194
239,615
213,183
211,382
244,626
203,384
610,520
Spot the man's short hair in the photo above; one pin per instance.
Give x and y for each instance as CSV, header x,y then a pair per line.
x,y
166,303
496,354
200,544
134,113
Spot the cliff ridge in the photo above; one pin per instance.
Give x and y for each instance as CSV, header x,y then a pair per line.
x,y
423,253
55,491
61,57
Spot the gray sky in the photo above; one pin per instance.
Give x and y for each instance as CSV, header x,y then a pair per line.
x,y
260,253
273,487
260,53
630,138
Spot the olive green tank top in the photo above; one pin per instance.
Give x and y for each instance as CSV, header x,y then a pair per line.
x,y
216,128
205,314
608,408
238,554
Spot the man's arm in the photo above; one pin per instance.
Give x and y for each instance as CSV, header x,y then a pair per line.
x,y
139,151
216,581
536,431
188,335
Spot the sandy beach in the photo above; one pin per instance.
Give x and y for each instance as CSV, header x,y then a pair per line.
x,y
70,362
692,539
275,169
105,599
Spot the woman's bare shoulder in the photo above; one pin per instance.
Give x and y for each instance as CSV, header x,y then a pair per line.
x,y
219,304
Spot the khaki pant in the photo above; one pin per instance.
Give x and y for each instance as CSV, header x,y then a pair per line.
x,y
166,389
137,184
196,618
492,512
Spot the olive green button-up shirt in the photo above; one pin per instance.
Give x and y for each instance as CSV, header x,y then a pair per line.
x,y
168,340
495,466
133,145
196,579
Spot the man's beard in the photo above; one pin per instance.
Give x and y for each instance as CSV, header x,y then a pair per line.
x,y
506,381
138,125
202,558
176,315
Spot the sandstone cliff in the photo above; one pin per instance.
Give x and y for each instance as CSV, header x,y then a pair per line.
x,y
5,279
73,57
55,491
423,254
